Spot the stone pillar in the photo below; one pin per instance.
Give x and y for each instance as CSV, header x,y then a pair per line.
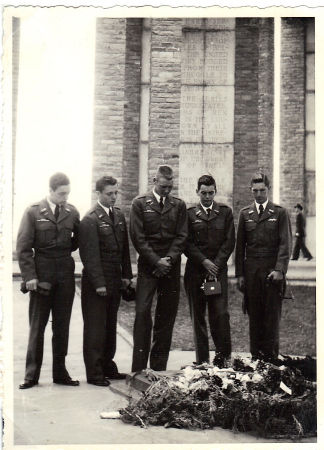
x,y
292,120
15,77
164,129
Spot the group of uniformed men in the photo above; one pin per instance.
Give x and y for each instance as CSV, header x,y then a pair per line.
x,y
161,229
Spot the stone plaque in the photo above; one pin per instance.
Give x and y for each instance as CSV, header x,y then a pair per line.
x,y
218,121
220,58
220,23
192,58
310,111
190,169
218,162
191,113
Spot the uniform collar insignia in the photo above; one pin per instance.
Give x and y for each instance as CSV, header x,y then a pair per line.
x,y
67,209
216,210
44,209
101,216
251,212
271,210
198,213
149,201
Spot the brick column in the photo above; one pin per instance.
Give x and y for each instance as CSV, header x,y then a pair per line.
x,y
15,77
254,89
129,186
292,121
165,95
266,96
109,97
246,120
117,103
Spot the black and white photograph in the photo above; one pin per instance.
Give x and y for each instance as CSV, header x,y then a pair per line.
x,y
160,212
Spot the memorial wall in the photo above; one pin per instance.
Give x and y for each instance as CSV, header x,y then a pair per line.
x,y
207,106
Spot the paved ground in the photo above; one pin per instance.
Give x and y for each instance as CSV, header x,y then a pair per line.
x,y
53,414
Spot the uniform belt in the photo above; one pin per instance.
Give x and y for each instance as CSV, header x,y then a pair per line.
x,y
48,254
257,253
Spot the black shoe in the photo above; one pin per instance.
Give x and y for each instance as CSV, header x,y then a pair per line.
x,y
104,382
310,258
294,259
28,384
116,376
66,382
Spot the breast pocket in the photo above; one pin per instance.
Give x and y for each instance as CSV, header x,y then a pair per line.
x,y
271,229
152,222
46,233
199,231
250,226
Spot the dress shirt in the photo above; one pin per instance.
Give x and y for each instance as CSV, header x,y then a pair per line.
x,y
257,205
157,196
107,210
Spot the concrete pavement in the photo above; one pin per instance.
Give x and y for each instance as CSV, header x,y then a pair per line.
x,y
54,414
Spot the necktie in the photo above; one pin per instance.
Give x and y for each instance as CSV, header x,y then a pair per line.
x,y
111,214
208,211
57,212
161,203
261,209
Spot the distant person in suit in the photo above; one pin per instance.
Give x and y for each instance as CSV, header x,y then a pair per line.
x,y
300,235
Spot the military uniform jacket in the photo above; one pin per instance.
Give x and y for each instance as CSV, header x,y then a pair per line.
x,y
40,234
157,233
267,237
210,237
104,245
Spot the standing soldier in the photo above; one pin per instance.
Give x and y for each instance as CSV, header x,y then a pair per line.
x,y
104,252
263,249
158,228
47,235
300,235
211,240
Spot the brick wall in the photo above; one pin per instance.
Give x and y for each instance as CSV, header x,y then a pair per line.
x,y
129,186
292,122
254,89
246,110
164,130
266,93
109,98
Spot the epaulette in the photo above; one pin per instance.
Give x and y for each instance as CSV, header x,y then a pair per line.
x,y
246,207
116,207
35,204
277,206
223,205
191,207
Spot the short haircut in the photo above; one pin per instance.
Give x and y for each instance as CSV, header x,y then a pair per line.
x,y
57,180
207,180
299,206
164,171
260,177
104,181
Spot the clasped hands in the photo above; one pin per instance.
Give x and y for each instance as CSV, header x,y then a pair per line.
x,y
163,267
212,268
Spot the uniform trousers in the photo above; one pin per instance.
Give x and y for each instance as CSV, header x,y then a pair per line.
x,y
218,316
59,301
300,245
168,290
264,300
99,331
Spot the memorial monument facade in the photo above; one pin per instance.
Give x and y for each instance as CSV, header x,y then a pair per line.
x,y
198,94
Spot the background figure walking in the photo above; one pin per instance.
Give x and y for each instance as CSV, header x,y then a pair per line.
x,y
300,235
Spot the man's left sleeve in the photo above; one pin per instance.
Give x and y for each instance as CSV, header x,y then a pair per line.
x,y
76,227
126,262
285,241
228,244
179,242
